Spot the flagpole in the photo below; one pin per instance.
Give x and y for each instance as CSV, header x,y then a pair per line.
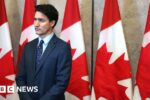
x,y
92,46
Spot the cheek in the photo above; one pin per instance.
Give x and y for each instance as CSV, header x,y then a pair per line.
x,y
45,26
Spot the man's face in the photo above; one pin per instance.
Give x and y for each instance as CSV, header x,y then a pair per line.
x,y
43,26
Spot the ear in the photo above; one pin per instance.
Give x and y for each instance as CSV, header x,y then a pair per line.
x,y
52,23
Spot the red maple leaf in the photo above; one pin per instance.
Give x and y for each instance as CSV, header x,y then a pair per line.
x,y
143,74
7,68
78,86
107,75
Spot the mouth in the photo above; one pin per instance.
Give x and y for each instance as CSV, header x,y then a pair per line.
x,y
37,29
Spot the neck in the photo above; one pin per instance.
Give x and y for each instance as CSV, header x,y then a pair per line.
x,y
45,35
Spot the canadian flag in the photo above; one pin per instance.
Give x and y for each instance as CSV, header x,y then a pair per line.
x,y
7,74
142,88
79,86
112,77
28,30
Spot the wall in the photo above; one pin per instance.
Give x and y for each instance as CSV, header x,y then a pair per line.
x,y
133,14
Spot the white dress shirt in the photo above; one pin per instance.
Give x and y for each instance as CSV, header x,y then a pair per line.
x,y
46,41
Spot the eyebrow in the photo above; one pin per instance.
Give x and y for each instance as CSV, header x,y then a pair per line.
x,y
40,19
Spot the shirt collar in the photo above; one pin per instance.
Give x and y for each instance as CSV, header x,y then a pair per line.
x,y
46,39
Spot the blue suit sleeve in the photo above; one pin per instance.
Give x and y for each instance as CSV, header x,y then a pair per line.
x,y
21,77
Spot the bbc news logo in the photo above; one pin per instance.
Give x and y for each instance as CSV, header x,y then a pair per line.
x,y
12,89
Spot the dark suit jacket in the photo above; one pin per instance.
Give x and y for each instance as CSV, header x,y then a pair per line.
x,y
51,76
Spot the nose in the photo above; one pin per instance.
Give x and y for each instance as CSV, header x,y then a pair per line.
x,y
36,23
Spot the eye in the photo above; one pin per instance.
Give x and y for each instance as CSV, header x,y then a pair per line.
x,y
35,19
41,20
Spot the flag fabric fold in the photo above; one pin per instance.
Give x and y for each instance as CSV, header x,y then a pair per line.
x,y
112,76
7,73
28,31
142,87
79,86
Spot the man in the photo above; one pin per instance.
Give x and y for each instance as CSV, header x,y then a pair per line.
x,y
46,61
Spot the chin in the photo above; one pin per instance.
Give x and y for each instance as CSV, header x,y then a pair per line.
x,y
38,33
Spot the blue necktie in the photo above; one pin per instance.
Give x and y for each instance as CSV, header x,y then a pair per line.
x,y
39,52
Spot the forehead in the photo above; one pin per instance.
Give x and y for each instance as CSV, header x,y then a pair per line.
x,y
39,14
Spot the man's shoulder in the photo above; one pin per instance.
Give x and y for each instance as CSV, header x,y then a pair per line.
x,y
62,42
33,42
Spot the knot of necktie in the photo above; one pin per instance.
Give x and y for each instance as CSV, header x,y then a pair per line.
x,y
39,51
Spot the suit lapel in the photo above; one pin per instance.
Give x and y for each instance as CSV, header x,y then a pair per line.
x,y
49,48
